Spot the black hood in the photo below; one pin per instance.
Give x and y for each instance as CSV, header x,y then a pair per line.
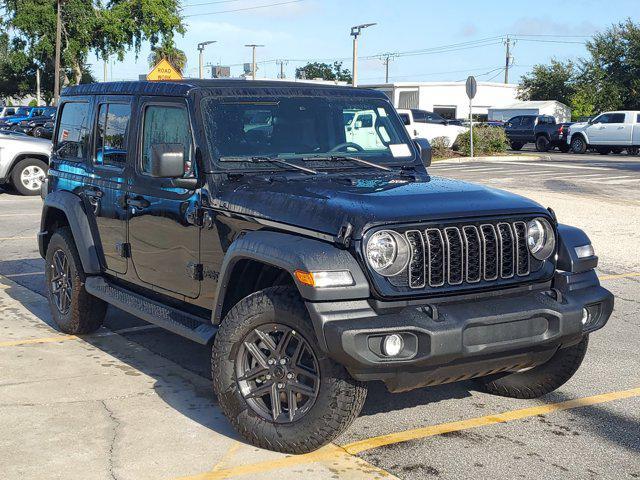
x,y
325,204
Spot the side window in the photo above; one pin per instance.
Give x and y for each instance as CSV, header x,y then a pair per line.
x,y
616,118
528,122
169,125
407,120
515,121
111,134
604,118
72,140
9,112
365,121
419,116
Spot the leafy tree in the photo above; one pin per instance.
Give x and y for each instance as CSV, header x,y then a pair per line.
x,y
549,82
324,71
107,29
176,57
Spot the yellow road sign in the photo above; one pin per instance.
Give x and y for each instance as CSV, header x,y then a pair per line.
x,y
164,71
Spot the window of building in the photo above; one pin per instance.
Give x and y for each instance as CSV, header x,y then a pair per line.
x,y
111,135
72,140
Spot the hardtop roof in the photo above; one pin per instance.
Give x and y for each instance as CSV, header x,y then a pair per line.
x,y
235,87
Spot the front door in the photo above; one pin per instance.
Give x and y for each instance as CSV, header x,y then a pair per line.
x,y
163,235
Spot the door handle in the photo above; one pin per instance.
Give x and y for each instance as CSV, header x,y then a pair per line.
x,y
138,202
620,127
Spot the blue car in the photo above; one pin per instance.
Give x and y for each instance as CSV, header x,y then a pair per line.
x,y
23,113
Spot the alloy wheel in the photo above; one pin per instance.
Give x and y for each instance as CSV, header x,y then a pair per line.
x,y
60,284
277,373
32,177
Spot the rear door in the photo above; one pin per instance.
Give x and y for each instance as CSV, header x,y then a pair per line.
x,y
619,129
163,231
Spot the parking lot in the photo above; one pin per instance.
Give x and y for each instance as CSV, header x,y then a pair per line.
x,y
134,402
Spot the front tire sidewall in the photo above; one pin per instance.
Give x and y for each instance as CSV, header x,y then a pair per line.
x,y
578,145
339,399
16,175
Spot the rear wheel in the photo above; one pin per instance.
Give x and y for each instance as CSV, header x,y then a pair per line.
x,y
272,380
603,151
578,145
38,132
516,146
542,143
73,309
564,148
539,380
633,150
616,150
27,176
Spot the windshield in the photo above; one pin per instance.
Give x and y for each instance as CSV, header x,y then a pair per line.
x,y
313,128
23,111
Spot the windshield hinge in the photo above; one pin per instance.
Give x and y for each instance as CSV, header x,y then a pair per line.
x,y
344,235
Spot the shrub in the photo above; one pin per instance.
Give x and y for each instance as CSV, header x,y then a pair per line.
x,y
486,141
439,148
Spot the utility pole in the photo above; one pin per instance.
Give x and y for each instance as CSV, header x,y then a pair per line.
x,y
201,56
38,86
253,61
282,63
507,62
106,59
386,58
355,33
56,81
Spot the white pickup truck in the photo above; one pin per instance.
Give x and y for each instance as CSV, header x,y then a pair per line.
x,y
423,124
608,132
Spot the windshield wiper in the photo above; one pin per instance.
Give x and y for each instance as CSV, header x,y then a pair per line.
x,y
339,158
265,159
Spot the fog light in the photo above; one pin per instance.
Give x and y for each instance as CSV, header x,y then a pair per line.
x,y
392,345
585,316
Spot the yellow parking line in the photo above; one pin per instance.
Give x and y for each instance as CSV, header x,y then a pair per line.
x,y
620,275
26,274
20,215
334,451
31,341
33,237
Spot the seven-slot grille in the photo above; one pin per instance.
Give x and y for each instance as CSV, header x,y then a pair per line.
x,y
467,254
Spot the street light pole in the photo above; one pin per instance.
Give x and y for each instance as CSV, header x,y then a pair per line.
x,y
56,81
355,33
201,56
253,61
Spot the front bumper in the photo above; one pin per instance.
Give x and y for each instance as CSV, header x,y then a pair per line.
x,y
456,339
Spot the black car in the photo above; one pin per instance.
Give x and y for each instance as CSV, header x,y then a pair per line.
x,y
35,126
47,130
247,216
542,130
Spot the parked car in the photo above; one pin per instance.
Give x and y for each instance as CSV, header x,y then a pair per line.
x,y
7,111
34,126
310,263
542,130
24,161
608,132
429,125
47,130
22,113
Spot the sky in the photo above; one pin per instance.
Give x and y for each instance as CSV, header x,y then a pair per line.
x,y
318,30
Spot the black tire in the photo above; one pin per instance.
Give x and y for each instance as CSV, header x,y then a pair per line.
x,y
616,150
542,144
27,176
564,148
603,151
633,150
539,380
516,146
339,398
37,132
578,145
84,313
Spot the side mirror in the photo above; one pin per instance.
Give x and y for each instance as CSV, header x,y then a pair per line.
x,y
424,148
167,160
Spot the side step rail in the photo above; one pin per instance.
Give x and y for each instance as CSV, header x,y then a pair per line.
x,y
169,318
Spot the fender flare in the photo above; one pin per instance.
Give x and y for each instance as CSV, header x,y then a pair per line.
x,y
568,261
580,134
291,253
73,208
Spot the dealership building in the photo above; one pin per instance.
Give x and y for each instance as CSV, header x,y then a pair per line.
x,y
449,99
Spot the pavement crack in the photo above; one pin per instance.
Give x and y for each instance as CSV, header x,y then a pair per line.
x,y
114,438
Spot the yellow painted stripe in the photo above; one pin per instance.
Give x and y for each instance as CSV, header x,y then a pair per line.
x,y
20,214
26,274
334,451
620,275
418,433
31,341
33,237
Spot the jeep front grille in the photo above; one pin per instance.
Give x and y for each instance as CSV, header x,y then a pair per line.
x,y
467,254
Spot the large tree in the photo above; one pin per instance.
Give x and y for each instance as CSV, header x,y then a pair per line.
x,y
555,81
106,29
324,71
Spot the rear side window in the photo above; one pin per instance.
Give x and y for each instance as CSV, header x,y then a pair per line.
x,y
72,140
407,120
169,125
111,134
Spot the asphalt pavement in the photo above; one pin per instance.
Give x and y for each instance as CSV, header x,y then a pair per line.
x,y
149,411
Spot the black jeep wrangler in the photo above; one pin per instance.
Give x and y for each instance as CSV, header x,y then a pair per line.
x,y
312,255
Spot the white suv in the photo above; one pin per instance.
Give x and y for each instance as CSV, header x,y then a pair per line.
x,y
24,161
608,132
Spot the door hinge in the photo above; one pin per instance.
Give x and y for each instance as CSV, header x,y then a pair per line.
x,y
124,249
196,271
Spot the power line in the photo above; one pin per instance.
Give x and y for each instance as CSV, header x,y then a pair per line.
x,y
244,9
207,3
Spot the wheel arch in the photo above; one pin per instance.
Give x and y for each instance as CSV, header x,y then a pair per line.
x,y
62,209
259,257
25,155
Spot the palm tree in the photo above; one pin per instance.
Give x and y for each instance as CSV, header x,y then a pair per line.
x,y
168,51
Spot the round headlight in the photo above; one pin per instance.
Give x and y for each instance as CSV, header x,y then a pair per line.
x,y
387,252
540,238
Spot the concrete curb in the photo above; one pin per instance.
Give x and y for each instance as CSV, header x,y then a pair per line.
x,y
496,158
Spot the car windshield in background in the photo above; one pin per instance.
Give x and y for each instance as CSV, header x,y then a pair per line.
x,y
304,128
23,111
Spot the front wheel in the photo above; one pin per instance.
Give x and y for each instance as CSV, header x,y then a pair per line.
x,y
540,380
272,380
578,145
27,176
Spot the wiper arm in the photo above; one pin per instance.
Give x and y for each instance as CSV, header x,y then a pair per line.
x,y
265,159
337,158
